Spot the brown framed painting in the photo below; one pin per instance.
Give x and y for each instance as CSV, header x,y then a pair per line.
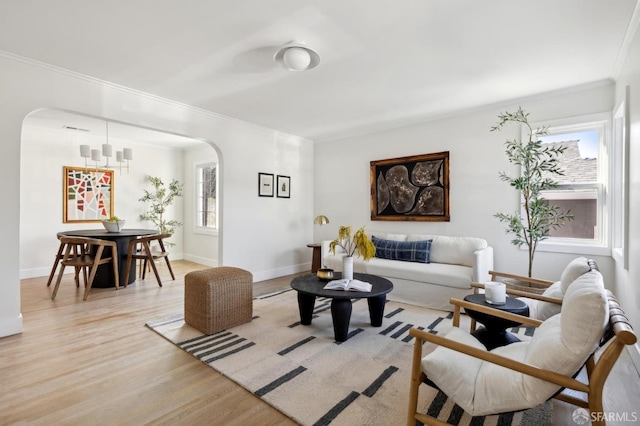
x,y
414,188
88,194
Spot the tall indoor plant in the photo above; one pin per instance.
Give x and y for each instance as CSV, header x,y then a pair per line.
x,y
539,166
159,198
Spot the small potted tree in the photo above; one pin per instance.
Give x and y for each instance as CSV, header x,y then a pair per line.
x,y
538,166
159,198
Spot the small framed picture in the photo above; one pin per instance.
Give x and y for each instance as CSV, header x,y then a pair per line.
x,y
265,184
284,186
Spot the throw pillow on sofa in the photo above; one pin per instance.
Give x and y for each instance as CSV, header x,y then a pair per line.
x,y
408,251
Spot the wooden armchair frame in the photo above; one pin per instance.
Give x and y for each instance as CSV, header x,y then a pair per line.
x,y
523,293
76,250
83,260
146,255
618,334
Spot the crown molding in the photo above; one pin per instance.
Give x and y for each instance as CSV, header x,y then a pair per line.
x,y
630,33
152,97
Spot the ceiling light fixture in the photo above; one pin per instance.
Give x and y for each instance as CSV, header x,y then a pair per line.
x,y
297,56
96,155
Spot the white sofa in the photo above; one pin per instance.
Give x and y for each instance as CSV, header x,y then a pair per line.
x,y
455,262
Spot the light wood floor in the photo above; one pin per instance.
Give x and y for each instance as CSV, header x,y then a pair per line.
x,y
94,363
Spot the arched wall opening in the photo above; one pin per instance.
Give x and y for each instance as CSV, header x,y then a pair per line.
x,y
50,140
266,236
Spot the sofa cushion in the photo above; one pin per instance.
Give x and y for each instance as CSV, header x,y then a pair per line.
x,y
457,276
393,237
452,250
408,251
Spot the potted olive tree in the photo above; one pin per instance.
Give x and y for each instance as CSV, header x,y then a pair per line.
x,y
538,166
158,199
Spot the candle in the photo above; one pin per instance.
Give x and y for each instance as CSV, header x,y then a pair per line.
x,y
495,293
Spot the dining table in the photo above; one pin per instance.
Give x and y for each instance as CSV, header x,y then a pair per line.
x,y
104,275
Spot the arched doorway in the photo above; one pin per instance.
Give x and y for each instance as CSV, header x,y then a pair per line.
x,y
51,140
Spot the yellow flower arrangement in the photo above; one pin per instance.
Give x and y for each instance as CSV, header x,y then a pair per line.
x,y
360,242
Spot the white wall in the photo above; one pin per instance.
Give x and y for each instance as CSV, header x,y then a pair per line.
x,y
265,236
44,153
628,281
476,192
198,247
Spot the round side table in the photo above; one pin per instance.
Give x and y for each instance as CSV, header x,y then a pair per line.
x,y
494,333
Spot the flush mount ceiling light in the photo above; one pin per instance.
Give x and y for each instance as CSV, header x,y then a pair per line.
x,y
297,56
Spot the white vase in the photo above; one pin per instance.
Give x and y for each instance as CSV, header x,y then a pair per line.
x,y
347,267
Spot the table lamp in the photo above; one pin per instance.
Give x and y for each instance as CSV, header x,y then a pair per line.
x,y
321,220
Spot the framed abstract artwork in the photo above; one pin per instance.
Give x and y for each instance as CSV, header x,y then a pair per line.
x,y
412,188
88,194
265,184
284,186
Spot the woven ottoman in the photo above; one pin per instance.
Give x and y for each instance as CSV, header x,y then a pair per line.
x,y
218,298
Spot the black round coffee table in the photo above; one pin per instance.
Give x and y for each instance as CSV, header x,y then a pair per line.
x,y
309,287
494,333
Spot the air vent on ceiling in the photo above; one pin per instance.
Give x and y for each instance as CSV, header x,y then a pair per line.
x,y
75,128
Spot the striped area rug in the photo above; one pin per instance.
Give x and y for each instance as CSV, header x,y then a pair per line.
x,y
303,372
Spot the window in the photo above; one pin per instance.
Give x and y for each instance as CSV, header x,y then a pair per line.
x,y
620,187
583,188
206,196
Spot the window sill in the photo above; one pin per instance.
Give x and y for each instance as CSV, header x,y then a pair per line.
x,y
573,246
206,231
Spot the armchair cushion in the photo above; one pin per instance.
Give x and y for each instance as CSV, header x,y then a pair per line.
x,y
541,310
573,270
455,381
584,313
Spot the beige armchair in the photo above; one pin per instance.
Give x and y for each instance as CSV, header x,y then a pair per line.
x,y
590,331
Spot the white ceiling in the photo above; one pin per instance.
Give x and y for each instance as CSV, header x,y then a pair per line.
x,y
384,63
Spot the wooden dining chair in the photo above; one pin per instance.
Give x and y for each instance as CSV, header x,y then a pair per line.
x,y
76,249
85,259
140,249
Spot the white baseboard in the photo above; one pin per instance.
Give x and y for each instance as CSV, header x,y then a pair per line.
x,y
39,272
281,272
45,271
200,260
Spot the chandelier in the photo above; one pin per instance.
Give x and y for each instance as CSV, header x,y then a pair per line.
x,y
125,155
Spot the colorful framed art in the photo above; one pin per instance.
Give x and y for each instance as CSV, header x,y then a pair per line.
x,y
88,194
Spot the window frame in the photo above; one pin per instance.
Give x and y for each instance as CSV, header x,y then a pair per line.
x,y
199,229
602,245
620,181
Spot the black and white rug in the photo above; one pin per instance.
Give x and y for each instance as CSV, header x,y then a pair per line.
x,y
303,372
